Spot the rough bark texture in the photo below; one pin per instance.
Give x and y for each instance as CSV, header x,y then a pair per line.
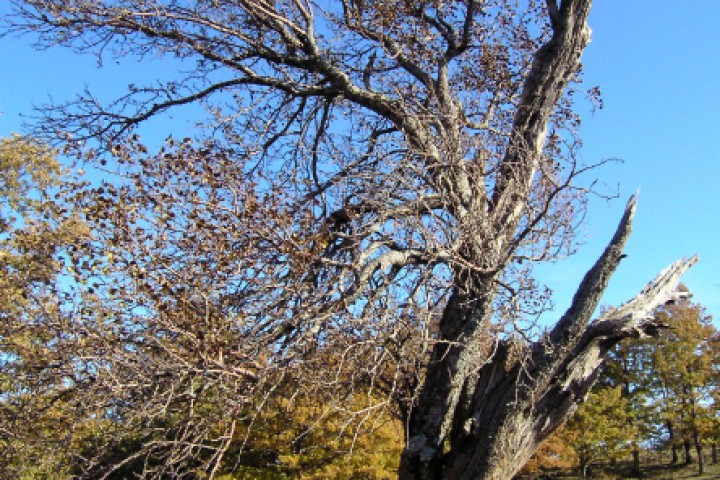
x,y
448,165
515,403
483,418
451,376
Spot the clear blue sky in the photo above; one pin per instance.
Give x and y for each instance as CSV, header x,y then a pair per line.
x,y
657,63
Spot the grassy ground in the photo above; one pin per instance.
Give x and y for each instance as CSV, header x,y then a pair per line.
x,y
667,472
656,471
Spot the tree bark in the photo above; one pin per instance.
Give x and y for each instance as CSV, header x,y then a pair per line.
x,y
480,417
699,452
671,439
688,454
452,389
636,460
513,403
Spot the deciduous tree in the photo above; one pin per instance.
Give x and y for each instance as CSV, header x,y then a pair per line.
x,y
388,175
685,364
601,428
37,417
629,367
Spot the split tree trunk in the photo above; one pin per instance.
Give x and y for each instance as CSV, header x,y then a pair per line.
x,y
482,415
510,405
454,380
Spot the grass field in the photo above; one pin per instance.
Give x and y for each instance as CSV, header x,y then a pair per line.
x,y
650,471
668,472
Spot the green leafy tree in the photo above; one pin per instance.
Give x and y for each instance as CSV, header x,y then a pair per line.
x,y
601,428
685,364
37,404
630,368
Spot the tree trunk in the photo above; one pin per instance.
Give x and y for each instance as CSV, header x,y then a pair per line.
x,y
700,459
697,440
585,470
714,453
688,454
503,410
481,415
673,444
636,461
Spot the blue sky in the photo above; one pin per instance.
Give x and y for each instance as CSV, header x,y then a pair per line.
x,y
657,63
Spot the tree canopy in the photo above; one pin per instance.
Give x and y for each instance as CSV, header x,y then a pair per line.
x,y
360,217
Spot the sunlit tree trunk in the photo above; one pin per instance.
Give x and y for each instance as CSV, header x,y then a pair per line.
x,y
513,402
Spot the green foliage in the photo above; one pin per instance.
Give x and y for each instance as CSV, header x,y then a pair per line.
x,y
685,362
600,428
303,435
653,391
36,417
